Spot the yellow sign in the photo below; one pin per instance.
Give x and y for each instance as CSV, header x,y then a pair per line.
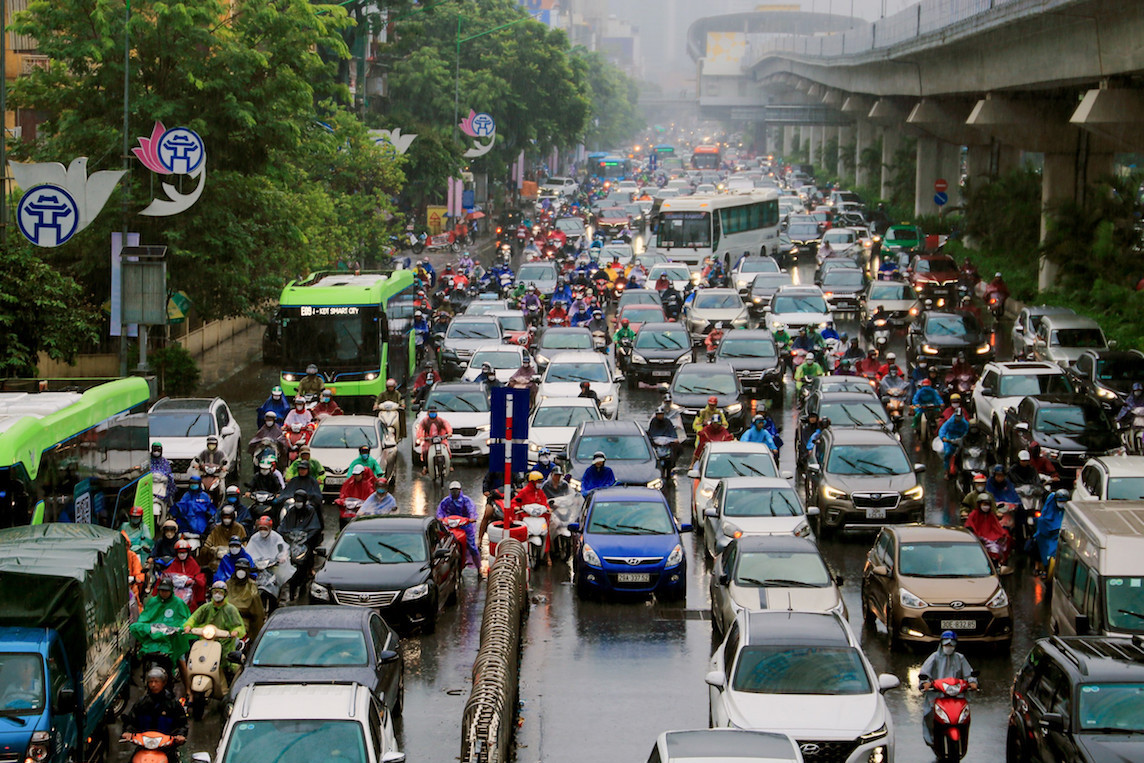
x,y
436,218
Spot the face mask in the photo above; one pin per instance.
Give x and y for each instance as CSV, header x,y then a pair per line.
x,y
233,550
232,499
947,649
217,597
195,486
264,533
240,574
183,555
135,521
432,415
325,399
156,454
212,447
299,408
544,459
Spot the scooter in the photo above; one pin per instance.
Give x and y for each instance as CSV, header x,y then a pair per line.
x,y
662,446
150,746
214,480
881,333
160,497
535,517
348,510
894,399
269,583
296,436
564,510
974,456
623,354
263,505
1133,433
205,667
439,461
950,717
184,584
457,525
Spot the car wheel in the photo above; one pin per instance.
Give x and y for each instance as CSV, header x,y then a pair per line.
x,y
1014,748
430,624
869,618
823,530
399,704
696,525
896,642
583,590
452,600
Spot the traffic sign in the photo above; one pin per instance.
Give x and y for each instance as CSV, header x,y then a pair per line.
x,y
940,199
940,185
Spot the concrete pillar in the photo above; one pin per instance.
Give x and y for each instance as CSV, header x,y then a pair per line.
x,y
820,149
979,164
949,167
845,138
863,139
1059,183
891,141
928,169
814,144
788,141
1004,159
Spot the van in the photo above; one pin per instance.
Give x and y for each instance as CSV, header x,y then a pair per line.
x,y
1098,585
1063,338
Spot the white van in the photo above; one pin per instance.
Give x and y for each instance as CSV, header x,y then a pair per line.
x,y
1098,586
1063,338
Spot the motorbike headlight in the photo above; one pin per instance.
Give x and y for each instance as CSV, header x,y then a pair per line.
x,y
655,484
607,399
929,349
416,592
832,494
911,601
823,324
591,558
734,408
675,557
1000,599
940,713
914,494
777,324
637,358
984,348
319,592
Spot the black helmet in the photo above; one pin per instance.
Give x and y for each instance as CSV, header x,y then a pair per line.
x,y
242,563
301,495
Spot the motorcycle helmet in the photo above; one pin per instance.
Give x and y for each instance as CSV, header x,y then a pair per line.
x,y
1023,455
218,585
1062,494
264,466
242,563
165,584
212,440
303,464
311,370
276,392
535,476
926,383
157,449
948,637
299,402
196,481
326,395
891,357
712,400
264,521
390,383
270,416
978,477
598,457
169,524
625,322
182,545
301,496
226,512
232,491
954,398
136,511
157,673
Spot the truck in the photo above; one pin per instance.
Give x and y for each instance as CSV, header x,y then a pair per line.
x,y
64,641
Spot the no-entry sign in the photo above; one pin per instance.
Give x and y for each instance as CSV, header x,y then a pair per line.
x,y
940,186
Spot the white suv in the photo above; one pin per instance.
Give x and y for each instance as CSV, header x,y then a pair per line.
x,y
1004,385
802,674
183,424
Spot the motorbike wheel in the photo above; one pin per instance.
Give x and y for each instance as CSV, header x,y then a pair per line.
x,y
198,705
454,247
561,548
535,552
269,603
418,248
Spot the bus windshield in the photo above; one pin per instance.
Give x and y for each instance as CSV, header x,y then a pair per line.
x,y
685,229
348,338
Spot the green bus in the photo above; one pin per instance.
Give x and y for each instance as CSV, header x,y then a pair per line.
x,y
355,326
72,456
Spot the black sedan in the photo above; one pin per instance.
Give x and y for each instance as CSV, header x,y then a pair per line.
x,y
327,644
755,358
408,568
695,383
843,289
804,236
656,352
940,337
625,446
1108,375
1069,428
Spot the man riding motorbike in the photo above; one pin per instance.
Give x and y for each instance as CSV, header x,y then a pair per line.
x,y
392,395
946,662
164,643
713,431
709,411
271,432
597,475
312,383
184,565
270,551
926,398
869,365
661,426
433,425
853,353
194,511
951,434
326,406
300,415
891,363
379,501
809,370
158,711
137,532
276,402
221,614
758,432
306,483
234,553
624,332
242,592
457,504
215,544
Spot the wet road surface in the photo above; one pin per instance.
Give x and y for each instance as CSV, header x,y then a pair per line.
x,y
600,680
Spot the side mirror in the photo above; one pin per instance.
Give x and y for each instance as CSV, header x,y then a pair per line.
x,y
919,467
693,474
880,570
1018,328
1082,625
839,580
1053,722
65,700
711,513
228,430
685,527
987,391
812,511
887,681
1112,343
574,527
386,656
787,474
393,757
201,757
321,553
441,553
724,578
716,678
810,467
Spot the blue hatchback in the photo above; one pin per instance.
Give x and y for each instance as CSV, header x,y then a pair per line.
x,y
628,541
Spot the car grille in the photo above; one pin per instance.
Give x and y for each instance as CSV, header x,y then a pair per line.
x,y
814,751
365,598
1073,460
628,559
750,375
875,500
180,465
652,581
465,431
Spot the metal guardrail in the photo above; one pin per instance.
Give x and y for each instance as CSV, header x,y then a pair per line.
x,y
490,714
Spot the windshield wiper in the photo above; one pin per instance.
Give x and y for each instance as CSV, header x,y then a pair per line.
x,y
394,549
884,469
641,530
369,553
610,528
466,402
1129,612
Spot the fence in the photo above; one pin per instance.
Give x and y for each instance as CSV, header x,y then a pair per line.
x,y
490,714
212,334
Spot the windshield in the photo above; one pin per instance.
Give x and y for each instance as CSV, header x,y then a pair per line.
x,y
578,372
473,330
617,447
770,281
458,402
1077,338
935,266
761,502
690,381
496,359
800,670
644,313
188,424
314,335
782,568
663,339
1111,707
613,212
854,414
720,465
868,459
903,234
1126,488
1125,602
296,741
512,322
734,347
310,648
684,229
951,325
838,237
759,265
840,277
630,518
803,231
567,340
570,225
717,302
1064,419
1119,373
379,548
1020,386
564,416
944,560
330,434
22,682
810,303
536,272
674,274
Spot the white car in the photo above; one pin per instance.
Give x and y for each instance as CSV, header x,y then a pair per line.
x,y
714,306
1111,478
183,424
745,271
796,307
566,370
727,459
1028,321
554,422
802,674
839,240
307,721
335,444
737,745
743,506
1003,385
465,406
677,272
505,359
564,186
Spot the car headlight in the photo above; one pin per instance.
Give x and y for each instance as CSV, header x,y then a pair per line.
x,y
917,287
984,348
289,377
1000,599
734,408
1050,452
676,407
319,592
929,349
675,557
777,324
484,427
416,592
706,492
823,324
607,399
655,484
541,359
870,736
637,358
914,494
802,531
911,601
1106,394
591,558
832,493
756,300
534,447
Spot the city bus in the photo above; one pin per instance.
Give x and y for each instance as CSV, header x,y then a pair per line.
x,y
706,157
72,456
664,150
356,327
611,167
692,228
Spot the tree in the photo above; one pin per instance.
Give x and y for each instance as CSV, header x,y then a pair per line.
x,y
613,97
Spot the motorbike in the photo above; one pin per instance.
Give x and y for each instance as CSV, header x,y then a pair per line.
x,y
672,306
564,510
160,496
535,517
348,510
184,584
927,424
296,436
150,746
457,525
880,333
974,456
442,242
663,456
391,434
1132,431
623,353
894,399
269,583
439,461
962,384
205,667
1032,497
950,718
996,302
532,314
214,480
263,505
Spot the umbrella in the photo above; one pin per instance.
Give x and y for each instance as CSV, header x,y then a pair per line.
x,y
476,215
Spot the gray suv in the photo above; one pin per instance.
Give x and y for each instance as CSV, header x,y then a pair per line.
x,y
465,335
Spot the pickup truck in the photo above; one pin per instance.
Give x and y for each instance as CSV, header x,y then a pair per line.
x,y
64,643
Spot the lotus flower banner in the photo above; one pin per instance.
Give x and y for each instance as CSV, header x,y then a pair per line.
x,y
479,126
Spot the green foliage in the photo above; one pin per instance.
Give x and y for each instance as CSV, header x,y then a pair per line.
x,y
903,174
177,370
829,158
871,162
1097,239
1005,214
846,158
615,117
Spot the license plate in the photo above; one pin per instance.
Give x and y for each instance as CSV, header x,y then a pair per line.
x,y
335,480
664,372
454,443
875,513
633,577
958,625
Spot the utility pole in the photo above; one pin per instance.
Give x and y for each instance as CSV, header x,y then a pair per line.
x,y
126,184
4,116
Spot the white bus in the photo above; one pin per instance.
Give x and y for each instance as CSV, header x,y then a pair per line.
x,y
692,228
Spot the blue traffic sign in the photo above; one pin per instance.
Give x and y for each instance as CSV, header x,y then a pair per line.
x,y
940,198
511,431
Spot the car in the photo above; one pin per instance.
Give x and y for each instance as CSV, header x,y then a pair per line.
x,y
727,459
933,275
772,572
1069,428
554,421
633,297
1028,321
907,237
677,272
846,410
637,315
839,241
623,443
505,359
743,506
804,674
921,580
327,643
542,275
940,337
612,221
1107,375
844,289
307,721
825,384
708,307
465,405
407,568
465,334
616,251
513,325
723,746
804,234
566,370
335,444
796,307
1111,478
862,478
844,261
1077,699
637,217
1062,339
694,383
763,289
488,307
573,228
706,189
745,270
557,339
627,541
658,349
183,424
1002,385
565,186
754,357
897,298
